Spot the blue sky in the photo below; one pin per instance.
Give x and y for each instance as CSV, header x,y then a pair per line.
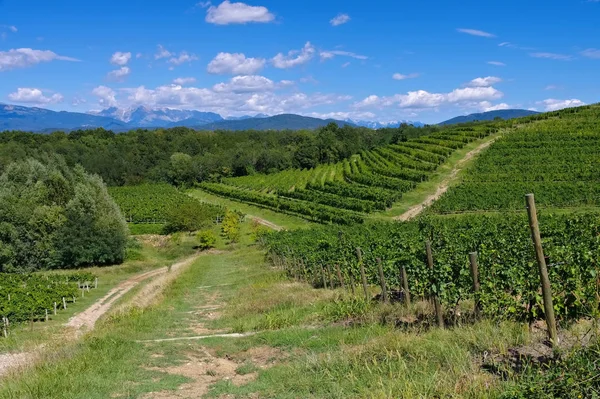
x,y
381,60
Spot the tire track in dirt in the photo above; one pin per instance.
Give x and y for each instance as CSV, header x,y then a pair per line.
x,y
266,223
444,185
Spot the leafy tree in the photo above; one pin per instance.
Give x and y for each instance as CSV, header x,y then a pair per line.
x,y
231,226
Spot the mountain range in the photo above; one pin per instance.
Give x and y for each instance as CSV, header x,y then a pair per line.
x,y
14,117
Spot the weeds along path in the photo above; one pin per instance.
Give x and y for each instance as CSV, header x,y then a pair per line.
x,y
87,319
444,184
266,223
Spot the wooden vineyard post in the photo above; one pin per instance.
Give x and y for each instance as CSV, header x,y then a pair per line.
x,y
339,275
475,276
545,280
405,285
362,273
323,277
96,283
5,326
329,276
46,314
436,299
64,303
55,306
382,281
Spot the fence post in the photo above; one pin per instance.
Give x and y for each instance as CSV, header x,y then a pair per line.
x,y
339,275
382,280
55,308
96,283
64,303
545,280
329,276
362,273
323,277
405,285
436,300
475,276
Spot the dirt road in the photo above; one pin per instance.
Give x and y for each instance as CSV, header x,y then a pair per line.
x,y
266,223
443,186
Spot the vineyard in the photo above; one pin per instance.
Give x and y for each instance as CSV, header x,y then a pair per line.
x,y
32,297
557,159
345,192
506,259
155,203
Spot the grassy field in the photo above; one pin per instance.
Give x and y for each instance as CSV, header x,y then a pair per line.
x,y
305,343
286,221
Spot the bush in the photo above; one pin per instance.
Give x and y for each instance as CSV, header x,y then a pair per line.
x,y
206,239
189,217
231,226
52,216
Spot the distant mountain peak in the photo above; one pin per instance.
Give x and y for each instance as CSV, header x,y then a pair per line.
x,y
489,116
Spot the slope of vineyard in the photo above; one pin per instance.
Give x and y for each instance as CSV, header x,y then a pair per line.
x,y
557,159
366,182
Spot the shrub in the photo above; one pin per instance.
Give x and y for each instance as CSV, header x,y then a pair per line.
x,y
206,239
231,226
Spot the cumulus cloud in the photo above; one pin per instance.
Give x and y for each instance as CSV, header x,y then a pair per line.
x,y
496,63
422,99
34,96
235,64
487,106
484,82
329,54
120,58
591,53
182,58
340,19
552,56
184,81
475,32
247,84
399,76
119,74
294,57
237,13
162,53
106,96
25,57
552,104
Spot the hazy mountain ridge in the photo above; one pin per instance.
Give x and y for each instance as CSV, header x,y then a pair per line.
x,y
489,116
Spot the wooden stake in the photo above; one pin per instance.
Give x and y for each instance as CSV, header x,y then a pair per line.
x,y
339,275
362,273
46,314
329,276
545,280
475,276
64,303
323,277
436,300
382,281
405,285
96,283
55,306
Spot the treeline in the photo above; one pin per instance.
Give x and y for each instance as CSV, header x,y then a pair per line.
x,y
183,156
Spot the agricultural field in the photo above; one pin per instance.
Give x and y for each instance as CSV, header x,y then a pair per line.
x,y
345,192
557,159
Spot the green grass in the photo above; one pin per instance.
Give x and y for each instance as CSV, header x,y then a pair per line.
x,y
286,221
307,348
137,229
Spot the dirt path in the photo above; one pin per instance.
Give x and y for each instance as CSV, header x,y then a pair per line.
x,y
444,185
266,223
87,319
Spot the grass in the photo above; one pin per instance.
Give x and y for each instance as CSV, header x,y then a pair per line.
x,y
286,221
304,345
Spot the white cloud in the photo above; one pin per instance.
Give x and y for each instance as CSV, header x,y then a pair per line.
x,y
106,96
475,32
552,104
329,54
340,19
13,29
237,13
591,53
182,58
235,64
399,76
139,55
119,74
34,96
496,63
551,87
184,81
309,79
120,58
422,99
488,107
25,57
246,84
294,57
484,82
346,64
162,53
552,56
342,115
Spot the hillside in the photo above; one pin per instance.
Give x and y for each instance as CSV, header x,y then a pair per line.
x,y
277,122
489,116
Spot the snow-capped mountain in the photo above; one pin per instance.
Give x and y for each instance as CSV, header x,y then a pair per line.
x,y
159,117
379,125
